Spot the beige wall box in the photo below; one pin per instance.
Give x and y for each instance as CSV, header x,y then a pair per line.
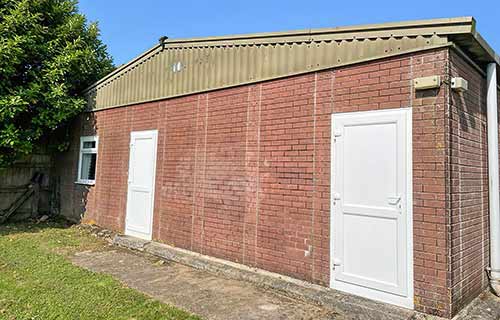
x,y
425,83
459,84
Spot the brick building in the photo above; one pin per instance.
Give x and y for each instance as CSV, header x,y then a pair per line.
x,y
342,156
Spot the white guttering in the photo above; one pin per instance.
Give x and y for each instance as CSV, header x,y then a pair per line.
x,y
493,178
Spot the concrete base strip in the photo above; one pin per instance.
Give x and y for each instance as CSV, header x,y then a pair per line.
x,y
298,289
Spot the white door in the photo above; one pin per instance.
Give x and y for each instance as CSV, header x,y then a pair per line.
x,y
371,249
141,184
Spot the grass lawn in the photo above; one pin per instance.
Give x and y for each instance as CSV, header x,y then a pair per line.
x,y
38,282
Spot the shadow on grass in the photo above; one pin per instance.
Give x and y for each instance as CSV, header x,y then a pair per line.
x,y
32,227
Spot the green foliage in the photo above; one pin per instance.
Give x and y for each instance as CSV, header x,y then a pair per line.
x,y
37,281
48,55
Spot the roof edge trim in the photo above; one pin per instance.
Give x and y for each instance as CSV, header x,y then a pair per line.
x,y
122,67
489,50
469,20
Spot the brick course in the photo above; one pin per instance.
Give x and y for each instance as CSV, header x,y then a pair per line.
x,y
244,173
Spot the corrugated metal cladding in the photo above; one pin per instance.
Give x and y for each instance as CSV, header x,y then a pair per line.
x,y
180,67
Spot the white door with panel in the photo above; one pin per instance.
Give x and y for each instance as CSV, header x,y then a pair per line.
x,y
371,227
141,184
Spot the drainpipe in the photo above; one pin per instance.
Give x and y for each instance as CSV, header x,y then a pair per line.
x,y
494,192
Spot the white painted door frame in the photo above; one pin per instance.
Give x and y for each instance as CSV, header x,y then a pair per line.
x,y
130,229
404,299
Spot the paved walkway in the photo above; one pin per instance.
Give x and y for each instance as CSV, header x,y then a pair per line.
x,y
215,297
199,292
486,306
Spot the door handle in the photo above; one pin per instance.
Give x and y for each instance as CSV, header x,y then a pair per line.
x,y
336,263
394,200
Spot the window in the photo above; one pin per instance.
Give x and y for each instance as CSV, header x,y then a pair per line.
x,y
88,158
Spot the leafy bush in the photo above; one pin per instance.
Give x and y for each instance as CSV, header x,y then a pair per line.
x,y
48,55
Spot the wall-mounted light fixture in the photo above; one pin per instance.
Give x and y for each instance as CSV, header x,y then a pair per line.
x,y
425,83
459,84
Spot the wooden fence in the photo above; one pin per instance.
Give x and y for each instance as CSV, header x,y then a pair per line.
x,y
15,179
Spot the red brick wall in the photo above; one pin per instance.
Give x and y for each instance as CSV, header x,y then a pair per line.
x,y
244,173
430,217
468,173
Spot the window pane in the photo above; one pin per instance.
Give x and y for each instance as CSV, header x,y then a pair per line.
x,y
88,166
88,144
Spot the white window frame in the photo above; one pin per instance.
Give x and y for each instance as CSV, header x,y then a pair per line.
x,y
83,151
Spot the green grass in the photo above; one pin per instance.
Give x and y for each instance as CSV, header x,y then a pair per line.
x,y
37,281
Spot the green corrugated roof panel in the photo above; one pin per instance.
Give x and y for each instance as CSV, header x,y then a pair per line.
x,y
179,67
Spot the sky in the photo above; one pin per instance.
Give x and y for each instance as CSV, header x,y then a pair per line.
x,y
130,27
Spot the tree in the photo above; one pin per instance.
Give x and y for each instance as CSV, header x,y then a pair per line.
x,y
48,55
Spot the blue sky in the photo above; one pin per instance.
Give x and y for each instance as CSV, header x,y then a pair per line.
x,y
130,27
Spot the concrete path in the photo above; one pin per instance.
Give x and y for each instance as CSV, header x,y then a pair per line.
x,y
215,297
199,292
486,306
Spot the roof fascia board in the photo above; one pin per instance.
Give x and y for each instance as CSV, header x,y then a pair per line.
x,y
452,23
325,37
489,50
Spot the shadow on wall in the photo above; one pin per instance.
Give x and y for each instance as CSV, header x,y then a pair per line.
x,y
466,114
71,177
